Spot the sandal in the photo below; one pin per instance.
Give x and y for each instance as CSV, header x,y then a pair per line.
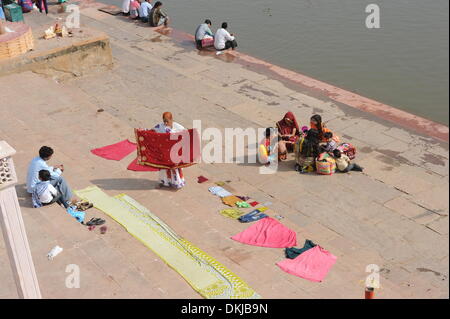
x,y
84,205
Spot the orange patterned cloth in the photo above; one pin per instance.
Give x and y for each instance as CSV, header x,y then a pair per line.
x,y
167,150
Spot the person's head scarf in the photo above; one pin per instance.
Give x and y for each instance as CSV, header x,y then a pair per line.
x,y
287,128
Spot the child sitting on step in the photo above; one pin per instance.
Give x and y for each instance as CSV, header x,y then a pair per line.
x,y
344,164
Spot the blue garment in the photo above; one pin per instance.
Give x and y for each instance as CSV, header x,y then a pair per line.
x,y
202,31
144,9
293,252
39,188
253,216
79,216
2,15
35,166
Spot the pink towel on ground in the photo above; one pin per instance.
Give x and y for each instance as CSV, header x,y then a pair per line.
x,y
267,232
313,264
117,151
134,166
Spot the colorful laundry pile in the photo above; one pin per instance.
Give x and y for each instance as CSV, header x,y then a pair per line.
x,y
168,150
219,191
206,275
267,232
231,200
119,151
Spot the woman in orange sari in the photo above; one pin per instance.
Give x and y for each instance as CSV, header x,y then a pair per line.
x,y
317,124
289,132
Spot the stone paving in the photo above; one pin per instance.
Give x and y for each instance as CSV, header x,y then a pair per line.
x,y
394,215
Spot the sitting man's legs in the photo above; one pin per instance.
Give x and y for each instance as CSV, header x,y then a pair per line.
x,y
64,190
230,44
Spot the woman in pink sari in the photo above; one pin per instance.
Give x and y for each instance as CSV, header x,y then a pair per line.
x,y
289,132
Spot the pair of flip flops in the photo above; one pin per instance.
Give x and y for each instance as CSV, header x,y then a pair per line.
x,y
252,216
95,222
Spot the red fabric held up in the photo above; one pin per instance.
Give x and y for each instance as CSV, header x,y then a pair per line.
x,y
115,152
154,149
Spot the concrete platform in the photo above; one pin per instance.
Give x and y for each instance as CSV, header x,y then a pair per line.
x,y
394,215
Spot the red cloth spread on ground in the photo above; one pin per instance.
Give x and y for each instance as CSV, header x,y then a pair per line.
x,y
134,166
313,264
267,232
116,151
160,151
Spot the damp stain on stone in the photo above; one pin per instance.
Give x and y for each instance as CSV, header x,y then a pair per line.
x,y
317,110
366,149
273,104
434,159
156,39
429,270
265,92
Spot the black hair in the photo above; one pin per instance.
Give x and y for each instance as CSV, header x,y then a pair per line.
x,y
268,132
45,152
337,153
157,4
317,118
224,25
328,135
44,175
207,21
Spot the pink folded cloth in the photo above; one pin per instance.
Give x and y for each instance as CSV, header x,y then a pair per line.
x,y
314,264
134,166
267,232
117,151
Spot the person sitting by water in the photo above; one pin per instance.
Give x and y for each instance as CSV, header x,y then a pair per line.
x,y
144,10
344,164
157,16
316,123
306,151
134,9
45,193
27,5
289,133
39,163
203,31
223,40
125,7
170,177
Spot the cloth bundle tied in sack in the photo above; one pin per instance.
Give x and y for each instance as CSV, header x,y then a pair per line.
x,y
325,164
348,149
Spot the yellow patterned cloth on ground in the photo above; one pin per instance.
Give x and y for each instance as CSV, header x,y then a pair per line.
x,y
232,213
206,275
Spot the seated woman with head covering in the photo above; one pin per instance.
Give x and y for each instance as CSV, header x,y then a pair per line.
x,y
289,133
170,177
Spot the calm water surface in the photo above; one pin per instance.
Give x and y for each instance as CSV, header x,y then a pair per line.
x,y
405,63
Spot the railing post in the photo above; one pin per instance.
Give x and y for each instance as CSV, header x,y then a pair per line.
x,y
13,228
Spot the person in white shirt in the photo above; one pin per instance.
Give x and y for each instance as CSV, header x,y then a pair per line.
x,y
144,10
45,193
223,40
40,163
126,7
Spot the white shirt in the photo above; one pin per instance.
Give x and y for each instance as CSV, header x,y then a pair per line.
x,y
145,9
47,195
35,166
161,128
126,6
221,37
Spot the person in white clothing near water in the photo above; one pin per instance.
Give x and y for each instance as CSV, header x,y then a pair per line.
x,y
170,177
126,7
223,40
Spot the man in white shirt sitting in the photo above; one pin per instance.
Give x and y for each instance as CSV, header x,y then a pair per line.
x,y
144,10
40,163
223,40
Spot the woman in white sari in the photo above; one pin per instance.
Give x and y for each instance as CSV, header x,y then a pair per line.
x,y
170,177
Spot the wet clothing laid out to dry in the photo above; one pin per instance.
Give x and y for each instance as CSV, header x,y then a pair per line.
x,y
293,252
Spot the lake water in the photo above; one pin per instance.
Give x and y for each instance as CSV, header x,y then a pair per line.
x,y
405,63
